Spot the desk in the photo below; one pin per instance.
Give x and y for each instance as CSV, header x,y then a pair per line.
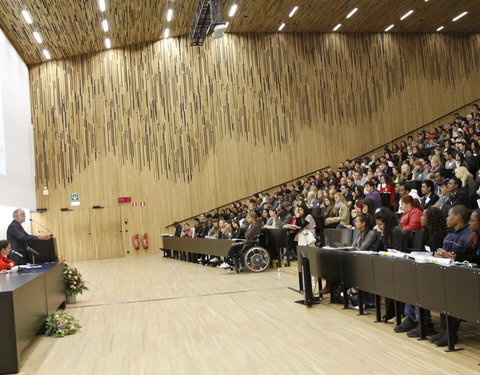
x,y
26,298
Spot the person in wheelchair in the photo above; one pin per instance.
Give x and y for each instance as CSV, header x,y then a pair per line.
x,y
237,250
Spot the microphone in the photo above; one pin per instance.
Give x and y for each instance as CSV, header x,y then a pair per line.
x,y
32,251
16,253
44,227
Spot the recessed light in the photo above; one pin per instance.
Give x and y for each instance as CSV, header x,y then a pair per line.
x,y
37,37
389,28
440,28
459,16
101,5
166,33
354,10
281,27
233,10
294,10
406,15
27,17
105,25
337,27
108,43
169,15
46,54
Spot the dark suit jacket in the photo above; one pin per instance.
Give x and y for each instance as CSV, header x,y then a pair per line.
x,y
253,232
433,199
18,237
460,197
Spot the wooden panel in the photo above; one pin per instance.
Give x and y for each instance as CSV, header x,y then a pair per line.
x,y
74,237
71,28
107,232
189,129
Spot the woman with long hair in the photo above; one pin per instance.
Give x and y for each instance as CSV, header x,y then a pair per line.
x,y
391,236
367,239
369,207
411,219
467,182
342,216
387,187
434,224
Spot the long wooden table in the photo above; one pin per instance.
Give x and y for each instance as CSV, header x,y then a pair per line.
x,y
26,298
453,291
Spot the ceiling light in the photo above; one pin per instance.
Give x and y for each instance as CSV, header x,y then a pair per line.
x,y
459,16
294,10
46,54
354,10
169,15
233,10
37,37
406,15
26,16
281,27
108,43
440,28
101,5
337,27
389,28
105,25
166,33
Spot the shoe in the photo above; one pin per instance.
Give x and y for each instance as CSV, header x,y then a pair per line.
x,y
442,341
325,290
224,266
213,260
407,325
429,331
439,335
200,260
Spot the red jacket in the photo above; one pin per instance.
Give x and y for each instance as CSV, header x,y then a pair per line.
x,y
389,189
5,263
411,220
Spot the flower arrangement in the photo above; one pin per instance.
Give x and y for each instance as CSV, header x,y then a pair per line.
x,y
74,283
61,324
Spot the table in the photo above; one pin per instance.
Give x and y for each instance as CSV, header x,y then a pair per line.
x,y
26,298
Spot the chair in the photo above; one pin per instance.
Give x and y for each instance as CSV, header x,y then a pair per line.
x,y
252,257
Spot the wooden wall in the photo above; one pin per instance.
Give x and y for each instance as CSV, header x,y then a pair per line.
x,y
187,129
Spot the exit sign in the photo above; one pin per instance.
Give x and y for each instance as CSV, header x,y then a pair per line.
x,y
124,200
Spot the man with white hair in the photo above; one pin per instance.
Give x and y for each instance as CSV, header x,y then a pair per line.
x,y
19,238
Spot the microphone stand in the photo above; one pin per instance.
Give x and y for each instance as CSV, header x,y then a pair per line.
x,y
33,252
44,227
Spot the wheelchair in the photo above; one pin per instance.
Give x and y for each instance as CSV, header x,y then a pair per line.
x,y
251,257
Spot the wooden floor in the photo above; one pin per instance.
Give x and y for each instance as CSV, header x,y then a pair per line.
x,y
150,315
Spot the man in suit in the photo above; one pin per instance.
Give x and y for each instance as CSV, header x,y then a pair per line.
x,y
458,194
429,197
19,238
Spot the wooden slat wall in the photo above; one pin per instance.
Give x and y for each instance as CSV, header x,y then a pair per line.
x,y
187,129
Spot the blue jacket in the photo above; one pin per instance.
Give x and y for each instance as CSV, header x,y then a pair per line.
x,y
457,241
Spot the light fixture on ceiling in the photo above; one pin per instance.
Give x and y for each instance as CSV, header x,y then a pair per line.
x,y
406,15
354,10
389,28
108,43
46,54
101,5
37,37
440,28
169,15
282,26
27,17
292,13
233,10
459,16
166,33
105,25
337,27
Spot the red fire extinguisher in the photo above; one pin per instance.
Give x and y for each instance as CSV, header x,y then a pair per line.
x,y
145,241
136,242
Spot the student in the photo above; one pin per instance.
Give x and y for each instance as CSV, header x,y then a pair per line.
x,y
367,239
412,213
390,234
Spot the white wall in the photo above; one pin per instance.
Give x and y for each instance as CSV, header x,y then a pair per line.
x,y
17,185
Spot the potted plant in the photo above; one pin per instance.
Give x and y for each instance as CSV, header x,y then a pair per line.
x,y
61,324
74,283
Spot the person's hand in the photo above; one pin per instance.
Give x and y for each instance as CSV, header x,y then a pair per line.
x,y
44,238
441,253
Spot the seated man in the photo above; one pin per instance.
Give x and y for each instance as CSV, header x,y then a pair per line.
x,y
253,231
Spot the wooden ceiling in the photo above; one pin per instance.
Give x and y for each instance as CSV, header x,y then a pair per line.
x,y
73,27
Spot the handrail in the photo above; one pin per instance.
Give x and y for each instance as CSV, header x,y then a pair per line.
x,y
365,154
251,195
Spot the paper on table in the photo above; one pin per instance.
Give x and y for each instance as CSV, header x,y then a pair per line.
x,y
392,254
427,248
443,261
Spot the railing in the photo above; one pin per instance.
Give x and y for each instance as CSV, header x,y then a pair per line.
x,y
268,190
426,126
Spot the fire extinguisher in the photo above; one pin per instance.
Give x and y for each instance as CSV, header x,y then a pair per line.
x,y
136,242
145,241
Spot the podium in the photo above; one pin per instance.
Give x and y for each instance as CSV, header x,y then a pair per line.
x,y
46,249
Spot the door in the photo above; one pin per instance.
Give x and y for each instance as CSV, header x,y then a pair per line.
x,y
107,232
